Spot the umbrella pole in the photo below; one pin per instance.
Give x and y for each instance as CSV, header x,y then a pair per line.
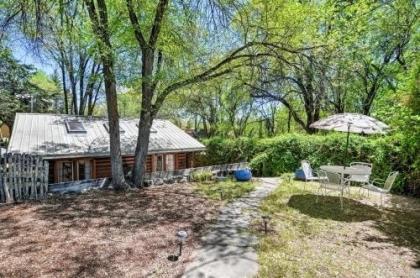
x,y
347,146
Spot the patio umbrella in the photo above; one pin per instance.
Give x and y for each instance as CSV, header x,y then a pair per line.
x,y
351,123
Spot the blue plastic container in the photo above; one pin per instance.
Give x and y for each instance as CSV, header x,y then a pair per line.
x,y
300,175
243,175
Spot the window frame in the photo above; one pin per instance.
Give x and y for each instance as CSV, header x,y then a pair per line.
x,y
68,122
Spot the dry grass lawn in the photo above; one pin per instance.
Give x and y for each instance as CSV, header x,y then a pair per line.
x,y
311,238
103,233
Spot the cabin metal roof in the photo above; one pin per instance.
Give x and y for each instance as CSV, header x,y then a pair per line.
x,y
46,135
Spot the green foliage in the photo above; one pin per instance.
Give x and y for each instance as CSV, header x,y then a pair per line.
x,y
282,154
227,190
401,109
45,83
19,83
222,151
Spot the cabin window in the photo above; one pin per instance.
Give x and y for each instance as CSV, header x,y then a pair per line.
x,y
71,170
75,126
170,162
65,171
159,163
84,168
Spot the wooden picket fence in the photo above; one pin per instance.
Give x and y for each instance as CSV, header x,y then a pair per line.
x,y
23,177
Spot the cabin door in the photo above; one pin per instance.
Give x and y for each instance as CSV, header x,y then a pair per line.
x,y
170,162
84,169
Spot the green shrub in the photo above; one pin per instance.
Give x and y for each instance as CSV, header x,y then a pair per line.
x,y
225,151
282,154
201,176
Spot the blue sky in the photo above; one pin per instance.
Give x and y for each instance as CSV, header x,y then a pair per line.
x,y
25,55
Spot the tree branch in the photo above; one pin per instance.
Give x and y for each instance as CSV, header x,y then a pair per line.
x,y
136,25
160,10
267,94
212,72
158,69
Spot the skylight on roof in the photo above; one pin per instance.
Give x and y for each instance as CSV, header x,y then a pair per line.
x,y
106,125
75,126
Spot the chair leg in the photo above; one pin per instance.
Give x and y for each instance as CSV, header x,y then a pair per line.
x,y
361,191
318,192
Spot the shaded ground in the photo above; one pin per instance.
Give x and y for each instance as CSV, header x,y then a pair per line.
x,y
318,239
102,233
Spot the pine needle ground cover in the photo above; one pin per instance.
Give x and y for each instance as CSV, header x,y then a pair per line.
x,y
103,233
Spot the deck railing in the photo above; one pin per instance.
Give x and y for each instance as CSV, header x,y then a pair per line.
x,y
76,186
187,173
150,178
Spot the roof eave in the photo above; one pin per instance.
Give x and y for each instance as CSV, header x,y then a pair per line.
x,y
82,155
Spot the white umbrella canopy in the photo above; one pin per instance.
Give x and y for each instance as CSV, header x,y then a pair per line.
x,y
351,122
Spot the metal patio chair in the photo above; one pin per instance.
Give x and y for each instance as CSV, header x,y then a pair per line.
x,y
307,170
330,181
381,186
362,179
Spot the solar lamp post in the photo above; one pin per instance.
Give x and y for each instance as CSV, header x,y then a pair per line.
x,y
182,237
266,218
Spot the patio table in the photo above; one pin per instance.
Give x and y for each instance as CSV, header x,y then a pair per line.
x,y
345,170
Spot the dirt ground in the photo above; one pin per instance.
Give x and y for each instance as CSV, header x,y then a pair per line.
x,y
103,233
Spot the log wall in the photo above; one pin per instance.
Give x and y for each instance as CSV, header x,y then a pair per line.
x,y
101,166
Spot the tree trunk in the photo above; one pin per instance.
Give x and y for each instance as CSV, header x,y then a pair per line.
x,y
66,100
100,27
142,148
146,117
118,180
205,127
368,100
92,99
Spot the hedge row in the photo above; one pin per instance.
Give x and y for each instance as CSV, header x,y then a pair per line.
x,y
282,154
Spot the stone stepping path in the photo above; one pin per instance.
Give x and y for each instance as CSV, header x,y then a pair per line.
x,y
228,249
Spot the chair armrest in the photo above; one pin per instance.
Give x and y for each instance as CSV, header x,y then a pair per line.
x,y
320,177
346,180
378,182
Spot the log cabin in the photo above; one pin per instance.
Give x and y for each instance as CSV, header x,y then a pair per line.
x,y
77,147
